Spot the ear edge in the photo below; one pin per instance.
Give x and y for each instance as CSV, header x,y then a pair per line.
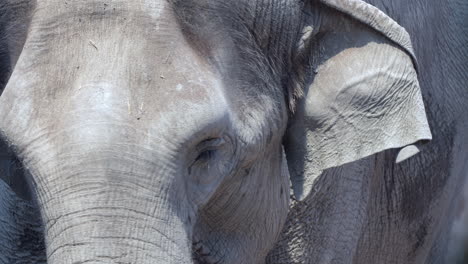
x,y
376,19
302,185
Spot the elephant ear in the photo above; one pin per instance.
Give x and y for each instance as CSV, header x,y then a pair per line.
x,y
361,95
15,17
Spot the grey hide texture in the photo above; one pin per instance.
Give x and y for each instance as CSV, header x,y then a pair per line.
x,y
377,211
169,131
20,230
364,98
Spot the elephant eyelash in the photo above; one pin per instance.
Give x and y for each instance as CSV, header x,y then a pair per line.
x,y
207,149
211,143
205,155
203,158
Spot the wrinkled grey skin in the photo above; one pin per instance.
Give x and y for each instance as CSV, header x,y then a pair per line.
x,y
153,132
397,213
458,247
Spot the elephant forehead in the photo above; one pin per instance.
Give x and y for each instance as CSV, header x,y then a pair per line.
x,y
172,101
142,81
166,107
88,69
99,8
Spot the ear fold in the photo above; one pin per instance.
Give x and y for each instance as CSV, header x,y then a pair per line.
x,y
362,97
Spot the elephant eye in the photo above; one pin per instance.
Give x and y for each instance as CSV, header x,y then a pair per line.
x,y
207,149
205,155
211,160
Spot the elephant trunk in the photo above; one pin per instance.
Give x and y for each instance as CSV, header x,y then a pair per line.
x,y
115,234
98,207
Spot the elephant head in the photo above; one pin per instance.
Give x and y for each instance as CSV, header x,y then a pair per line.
x,y
169,131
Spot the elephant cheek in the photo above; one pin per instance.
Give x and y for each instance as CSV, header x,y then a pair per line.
x,y
247,213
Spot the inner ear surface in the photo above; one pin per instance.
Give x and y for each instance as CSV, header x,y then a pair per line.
x,y
361,96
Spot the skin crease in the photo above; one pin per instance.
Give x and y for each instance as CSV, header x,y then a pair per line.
x,y
397,213
130,70
152,131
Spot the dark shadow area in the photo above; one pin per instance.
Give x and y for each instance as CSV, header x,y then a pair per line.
x,y
5,63
13,173
21,229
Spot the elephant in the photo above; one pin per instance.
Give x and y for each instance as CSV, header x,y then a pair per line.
x,y
209,131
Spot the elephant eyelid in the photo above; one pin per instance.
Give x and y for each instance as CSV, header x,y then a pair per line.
x,y
206,150
205,155
210,144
